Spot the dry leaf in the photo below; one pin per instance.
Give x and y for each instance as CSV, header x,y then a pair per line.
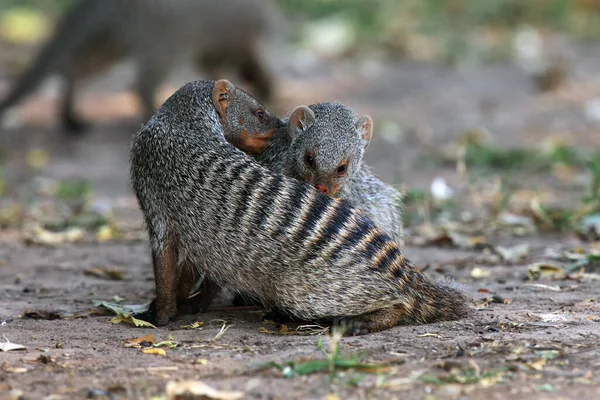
x,y
114,274
466,242
148,338
177,390
479,273
23,25
437,335
105,233
121,308
195,325
128,319
537,365
8,346
37,158
41,236
513,254
544,271
159,352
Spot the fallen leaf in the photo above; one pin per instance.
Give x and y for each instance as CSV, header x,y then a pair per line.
x,y
131,309
8,346
44,237
23,25
177,390
114,274
128,319
159,352
513,254
437,335
105,233
37,158
544,271
542,286
479,273
15,370
195,325
200,361
537,365
148,338
466,242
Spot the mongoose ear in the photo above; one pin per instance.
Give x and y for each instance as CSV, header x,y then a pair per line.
x,y
221,96
301,118
364,126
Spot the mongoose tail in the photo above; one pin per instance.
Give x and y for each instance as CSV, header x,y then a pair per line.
x,y
81,27
425,302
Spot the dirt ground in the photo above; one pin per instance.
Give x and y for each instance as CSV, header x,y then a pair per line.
x,y
537,340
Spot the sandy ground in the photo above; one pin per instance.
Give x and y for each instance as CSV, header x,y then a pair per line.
x,y
542,343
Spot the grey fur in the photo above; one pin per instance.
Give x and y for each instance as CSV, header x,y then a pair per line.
x,y
156,34
271,237
331,135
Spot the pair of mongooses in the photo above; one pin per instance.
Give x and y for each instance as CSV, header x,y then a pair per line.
x,y
213,212
324,145
155,34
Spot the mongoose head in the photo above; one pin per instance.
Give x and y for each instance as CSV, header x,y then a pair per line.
x,y
246,123
328,143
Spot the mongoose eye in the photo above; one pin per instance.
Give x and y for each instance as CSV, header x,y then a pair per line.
x,y
260,115
341,170
309,160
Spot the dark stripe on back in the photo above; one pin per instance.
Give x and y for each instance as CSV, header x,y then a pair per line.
x,y
317,207
375,244
352,239
207,161
330,232
238,170
245,196
387,261
292,206
265,202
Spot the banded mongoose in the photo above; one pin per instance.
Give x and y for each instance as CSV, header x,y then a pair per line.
x,y
156,35
324,145
209,206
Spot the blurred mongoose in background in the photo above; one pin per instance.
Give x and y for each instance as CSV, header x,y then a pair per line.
x,y
155,34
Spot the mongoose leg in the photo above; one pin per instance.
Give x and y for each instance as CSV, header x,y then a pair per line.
x,y
72,124
150,75
198,302
253,70
166,277
370,323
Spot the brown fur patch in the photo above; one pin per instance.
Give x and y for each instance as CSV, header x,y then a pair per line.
x,y
166,278
254,143
374,322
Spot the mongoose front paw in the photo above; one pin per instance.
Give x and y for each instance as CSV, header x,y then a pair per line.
x,y
351,326
149,314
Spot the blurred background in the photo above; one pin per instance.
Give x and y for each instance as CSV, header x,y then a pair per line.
x,y
484,111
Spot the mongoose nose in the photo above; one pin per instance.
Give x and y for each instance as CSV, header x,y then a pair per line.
x,y
322,188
